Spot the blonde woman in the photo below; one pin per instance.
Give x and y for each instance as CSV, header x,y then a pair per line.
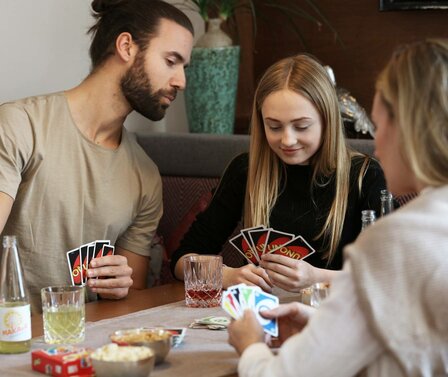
x,y
387,311
299,177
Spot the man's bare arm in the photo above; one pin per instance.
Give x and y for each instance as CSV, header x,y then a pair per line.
x,y
6,203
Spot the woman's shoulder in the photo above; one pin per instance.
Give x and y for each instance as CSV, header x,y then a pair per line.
x,y
237,168
361,163
238,164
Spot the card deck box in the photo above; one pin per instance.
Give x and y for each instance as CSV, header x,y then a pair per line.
x,y
63,361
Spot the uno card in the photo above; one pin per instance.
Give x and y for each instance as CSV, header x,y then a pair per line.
x,y
247,294
241,244
245,233
276,239
108,250
98,249
84,255
258,239
297,248
266,301
178,335
74,265
230,304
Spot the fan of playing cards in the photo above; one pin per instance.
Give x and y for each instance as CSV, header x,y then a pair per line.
x,y
237,298
252,243
79,259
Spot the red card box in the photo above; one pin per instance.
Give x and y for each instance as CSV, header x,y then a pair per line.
x,y
63,361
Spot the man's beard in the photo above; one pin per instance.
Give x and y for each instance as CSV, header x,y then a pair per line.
x,y
137,89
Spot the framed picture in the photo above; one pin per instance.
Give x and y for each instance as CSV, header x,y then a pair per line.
x,y
412,4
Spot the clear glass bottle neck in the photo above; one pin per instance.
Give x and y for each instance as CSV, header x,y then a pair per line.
x,y
387,204
9,241
367,217
12,283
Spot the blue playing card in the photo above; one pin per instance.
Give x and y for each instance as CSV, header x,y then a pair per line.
x,y
266,301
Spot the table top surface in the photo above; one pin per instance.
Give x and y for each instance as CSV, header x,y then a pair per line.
x,y
135,301
202,352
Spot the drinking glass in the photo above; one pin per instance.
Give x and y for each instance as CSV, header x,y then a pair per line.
x,y
319,292
64,314
203,280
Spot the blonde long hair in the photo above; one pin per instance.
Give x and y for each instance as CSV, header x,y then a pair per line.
x,y
305,76
414,87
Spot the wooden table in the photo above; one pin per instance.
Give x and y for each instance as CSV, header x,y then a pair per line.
x,y
135,301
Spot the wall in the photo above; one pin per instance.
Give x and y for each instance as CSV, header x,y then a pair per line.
x,y
45,49
368,34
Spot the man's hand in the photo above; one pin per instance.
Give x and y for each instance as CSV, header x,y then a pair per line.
x,y
116,273
245,331
292,318
249,274
122,271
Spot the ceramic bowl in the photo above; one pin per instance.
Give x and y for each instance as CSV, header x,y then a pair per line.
x,y
158,340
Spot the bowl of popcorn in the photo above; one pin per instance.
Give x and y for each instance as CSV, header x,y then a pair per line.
x,y
113,360
159,340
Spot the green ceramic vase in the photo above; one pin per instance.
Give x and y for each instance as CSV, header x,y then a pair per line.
x,y
210,96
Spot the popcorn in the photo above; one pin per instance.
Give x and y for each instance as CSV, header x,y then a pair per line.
x,y
113,352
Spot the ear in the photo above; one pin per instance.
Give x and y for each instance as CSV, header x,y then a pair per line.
x,y
125,47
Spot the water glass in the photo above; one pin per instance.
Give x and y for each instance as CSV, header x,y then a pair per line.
x,y
319,292
203,280
64,314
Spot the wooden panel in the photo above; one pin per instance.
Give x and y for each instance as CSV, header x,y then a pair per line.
x,y
369,35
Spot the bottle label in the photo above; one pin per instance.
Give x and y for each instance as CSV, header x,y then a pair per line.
x,y
15,323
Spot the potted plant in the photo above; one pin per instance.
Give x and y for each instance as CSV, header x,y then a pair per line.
x,y
213,73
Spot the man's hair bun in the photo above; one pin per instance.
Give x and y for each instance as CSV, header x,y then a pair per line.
x,y
103,6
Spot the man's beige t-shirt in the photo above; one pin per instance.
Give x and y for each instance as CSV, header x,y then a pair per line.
x,y
69,191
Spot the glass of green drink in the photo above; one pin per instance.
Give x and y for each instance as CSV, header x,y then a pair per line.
x,y
64,314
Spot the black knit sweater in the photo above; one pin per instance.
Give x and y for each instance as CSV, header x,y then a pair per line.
x,y
298,210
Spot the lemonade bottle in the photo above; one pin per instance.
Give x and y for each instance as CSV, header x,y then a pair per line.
x,y
15,313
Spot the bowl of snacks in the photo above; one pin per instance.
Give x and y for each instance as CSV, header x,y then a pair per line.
x,y
159,340
113,360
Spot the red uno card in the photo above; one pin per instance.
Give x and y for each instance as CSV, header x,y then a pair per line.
x,y
275,239
108,250
74,265
98,249
241,244
84,254
297,248
258,239
245,233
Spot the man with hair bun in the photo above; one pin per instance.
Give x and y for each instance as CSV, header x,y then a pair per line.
x,y
69,171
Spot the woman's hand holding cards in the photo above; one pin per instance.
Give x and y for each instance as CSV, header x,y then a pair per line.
x,y
292,318
245,331
289,274
248,274
117,272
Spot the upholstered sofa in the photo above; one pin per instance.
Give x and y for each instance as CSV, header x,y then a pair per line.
x,y
190,166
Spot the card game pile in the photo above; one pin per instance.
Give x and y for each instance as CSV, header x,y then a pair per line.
x,y
252,243
79,259
211,323
237,298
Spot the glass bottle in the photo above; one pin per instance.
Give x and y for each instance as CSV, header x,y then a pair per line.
x,y
368,217
387,204
15,312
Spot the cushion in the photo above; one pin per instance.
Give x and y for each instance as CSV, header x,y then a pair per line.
x,y
173,242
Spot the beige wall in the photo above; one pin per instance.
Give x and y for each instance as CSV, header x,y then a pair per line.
x,y
45,49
